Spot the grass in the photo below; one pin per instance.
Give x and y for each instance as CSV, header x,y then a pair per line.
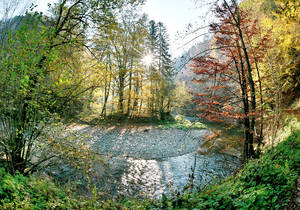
x,y
180,122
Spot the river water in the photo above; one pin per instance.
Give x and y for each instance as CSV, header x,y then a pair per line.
x,y
148,162
152,178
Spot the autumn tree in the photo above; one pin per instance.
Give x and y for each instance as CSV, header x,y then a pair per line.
x,y
123,47
135,85
28,54
280,66
230,92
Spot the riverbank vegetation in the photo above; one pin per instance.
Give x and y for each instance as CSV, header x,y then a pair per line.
x,y
267,182
179,122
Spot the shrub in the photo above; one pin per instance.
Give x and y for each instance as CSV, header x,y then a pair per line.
x,y
20,192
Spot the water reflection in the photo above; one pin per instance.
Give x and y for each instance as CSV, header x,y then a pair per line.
x,y
152,178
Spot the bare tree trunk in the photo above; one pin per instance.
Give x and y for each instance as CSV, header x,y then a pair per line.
x,y
141,104
130,87
106,95
243,85
151,98
121,92
253,99
278,95
135,101
112,104
260,136
106,88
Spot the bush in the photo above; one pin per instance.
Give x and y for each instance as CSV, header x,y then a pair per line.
x,y
20,192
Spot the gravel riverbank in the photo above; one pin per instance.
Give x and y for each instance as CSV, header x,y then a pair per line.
x,y
144,142
144,160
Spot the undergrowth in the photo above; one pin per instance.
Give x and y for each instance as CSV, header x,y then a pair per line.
x,y
180,122
20,192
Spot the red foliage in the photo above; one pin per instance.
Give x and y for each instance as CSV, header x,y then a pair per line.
x,y
224,78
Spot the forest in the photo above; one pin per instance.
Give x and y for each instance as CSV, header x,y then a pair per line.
x,y
96,112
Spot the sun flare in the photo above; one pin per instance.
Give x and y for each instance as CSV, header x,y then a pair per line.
x,y
147,60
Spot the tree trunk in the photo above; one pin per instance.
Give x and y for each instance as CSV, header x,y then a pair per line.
x,y
260,136
121,92
106,92
253,99
18,162
141,99
236,17
135,101
130,87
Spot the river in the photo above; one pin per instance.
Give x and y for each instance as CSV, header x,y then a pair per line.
x,y
144,161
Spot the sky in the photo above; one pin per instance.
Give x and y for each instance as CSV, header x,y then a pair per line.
x,y
175,14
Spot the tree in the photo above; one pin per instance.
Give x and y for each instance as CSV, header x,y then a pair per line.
x,y
27,58
23,103
279,68
229,76
123,44
140,87
165,70
161,70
